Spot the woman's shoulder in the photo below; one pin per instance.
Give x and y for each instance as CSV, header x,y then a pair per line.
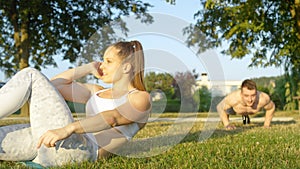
x,y
141,100
138,94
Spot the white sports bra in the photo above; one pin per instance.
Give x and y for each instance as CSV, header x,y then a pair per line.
x,y
97,105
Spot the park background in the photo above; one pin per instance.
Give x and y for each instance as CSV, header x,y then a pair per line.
x,y
187,150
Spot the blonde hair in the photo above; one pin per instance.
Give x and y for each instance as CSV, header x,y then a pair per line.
x,y
133,52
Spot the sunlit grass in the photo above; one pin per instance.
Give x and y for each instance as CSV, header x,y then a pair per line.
x,y
249,146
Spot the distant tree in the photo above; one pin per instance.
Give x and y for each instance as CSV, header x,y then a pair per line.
x,y
203,97
292,86
263,81
161,81
278,96
184,85
263,89
32,32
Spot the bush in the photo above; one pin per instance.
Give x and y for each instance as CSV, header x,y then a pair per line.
x,y
168,106
172,105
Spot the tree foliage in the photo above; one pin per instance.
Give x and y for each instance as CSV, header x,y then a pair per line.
x,y
292,87
268,30
179,90
278,96
203,97
184,84
32,32
160,81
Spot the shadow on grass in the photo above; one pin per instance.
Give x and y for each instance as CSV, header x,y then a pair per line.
x,y
147,147
192,136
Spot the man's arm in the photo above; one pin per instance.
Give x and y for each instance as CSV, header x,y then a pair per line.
x,y
221,107
270,110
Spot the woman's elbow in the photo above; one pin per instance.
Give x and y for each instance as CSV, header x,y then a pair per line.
x,y
59,82
115,119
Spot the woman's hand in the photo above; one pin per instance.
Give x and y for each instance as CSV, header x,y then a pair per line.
x,y
97,72
52,136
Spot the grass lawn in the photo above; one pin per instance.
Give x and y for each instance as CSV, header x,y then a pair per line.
x,y
177,145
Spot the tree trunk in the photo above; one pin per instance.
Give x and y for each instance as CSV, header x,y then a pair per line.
x,y
14,16
24,52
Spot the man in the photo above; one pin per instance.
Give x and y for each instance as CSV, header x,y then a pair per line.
x,y
246,101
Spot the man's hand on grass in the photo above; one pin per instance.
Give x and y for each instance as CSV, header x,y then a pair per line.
x,y
230,127
267,127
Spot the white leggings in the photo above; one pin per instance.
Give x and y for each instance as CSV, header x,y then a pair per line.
x,y
48,110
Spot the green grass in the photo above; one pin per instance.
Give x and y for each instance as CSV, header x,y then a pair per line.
x,y
250,146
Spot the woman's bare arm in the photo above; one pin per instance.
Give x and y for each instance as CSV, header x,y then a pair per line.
x,y
75,91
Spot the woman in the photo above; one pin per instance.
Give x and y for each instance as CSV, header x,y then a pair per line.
x,y
52,138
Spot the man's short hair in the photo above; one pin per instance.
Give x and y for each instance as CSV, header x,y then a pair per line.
x,y
249,84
